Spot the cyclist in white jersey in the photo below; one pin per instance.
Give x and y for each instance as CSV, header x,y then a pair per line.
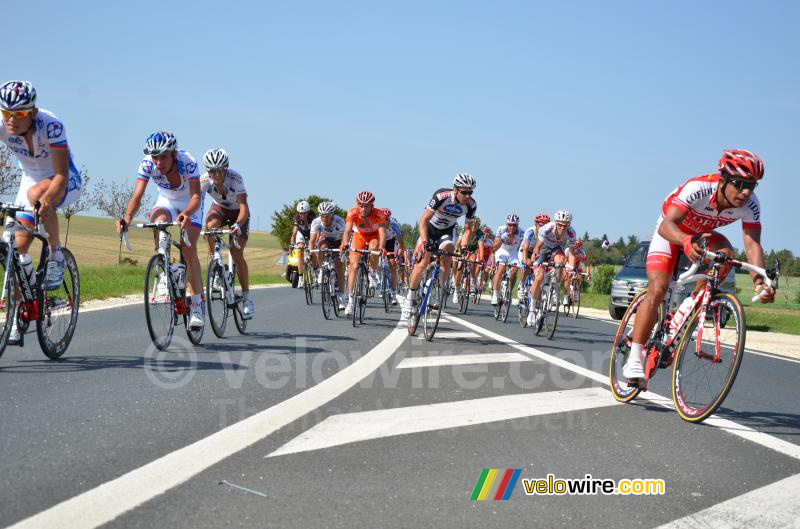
x,y
394,244
437,224
228,208
326,232
507,242
553,238
37,138
179,199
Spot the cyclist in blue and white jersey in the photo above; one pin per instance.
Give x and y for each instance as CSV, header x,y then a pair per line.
x,y
507,242
394,243
228,208
37,138
553,238
326,231
176,175
528,242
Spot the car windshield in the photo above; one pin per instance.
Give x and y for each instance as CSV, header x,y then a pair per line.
x,y
638,258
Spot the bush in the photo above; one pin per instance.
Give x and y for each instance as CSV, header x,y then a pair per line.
x,y
601,279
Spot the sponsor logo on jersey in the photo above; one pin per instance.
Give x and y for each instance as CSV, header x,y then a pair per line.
x,y
54,130
697,195
191,167
753,206
147,166
453,209
16,139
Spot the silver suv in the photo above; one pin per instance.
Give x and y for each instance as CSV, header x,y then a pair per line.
x,y
632,279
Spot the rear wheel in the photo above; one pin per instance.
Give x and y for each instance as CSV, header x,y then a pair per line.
x,y
58,315
708,358
159,304
216,299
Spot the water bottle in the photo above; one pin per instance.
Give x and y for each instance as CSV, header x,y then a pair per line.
x,y
26,261
179,275
680,315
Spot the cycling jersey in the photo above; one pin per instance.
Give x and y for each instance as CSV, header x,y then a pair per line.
x,y
232,186
550,239
446,211
304,226
367,226
333,232
530,236
393,230
580,255
697,198
187,169
48,134
511,241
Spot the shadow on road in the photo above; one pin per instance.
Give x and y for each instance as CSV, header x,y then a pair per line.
x,y
93,363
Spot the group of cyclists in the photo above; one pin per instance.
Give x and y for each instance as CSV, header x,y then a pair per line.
x,y
689,215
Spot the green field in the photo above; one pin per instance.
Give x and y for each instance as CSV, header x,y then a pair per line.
x,y
95,244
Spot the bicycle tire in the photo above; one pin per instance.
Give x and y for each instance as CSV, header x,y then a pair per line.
x,y
555,292
576,303
357,296
156,268
685,403
8,304
59,311
464,293
621,347
325,296
508,298
217,300
431,318
385,287
238,315
308,284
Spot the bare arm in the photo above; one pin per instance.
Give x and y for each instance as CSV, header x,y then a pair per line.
x,y
348,227
244,209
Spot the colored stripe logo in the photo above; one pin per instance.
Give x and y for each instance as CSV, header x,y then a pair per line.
x,y
495,484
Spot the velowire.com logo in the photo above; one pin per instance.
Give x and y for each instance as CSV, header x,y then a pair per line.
x,y
495,484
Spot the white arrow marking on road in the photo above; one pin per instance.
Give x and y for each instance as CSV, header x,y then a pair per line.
x,y
775,505
353,427
454,360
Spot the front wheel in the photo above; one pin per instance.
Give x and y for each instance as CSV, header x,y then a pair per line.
x,y
708,358
555,305
59,314
327,296
8,303
159,305
216,299
576,300
433,309
507,295
308,284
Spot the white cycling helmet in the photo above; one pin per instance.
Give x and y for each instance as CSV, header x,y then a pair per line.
x,y
326,208
464,180
303,207
562,215
215,159
159,142
17,95
512,219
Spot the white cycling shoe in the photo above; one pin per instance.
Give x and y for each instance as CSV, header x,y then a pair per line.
x,y
494,298
633,368
348,310
196,320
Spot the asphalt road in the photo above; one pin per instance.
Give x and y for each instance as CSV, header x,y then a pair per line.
x,y
305,422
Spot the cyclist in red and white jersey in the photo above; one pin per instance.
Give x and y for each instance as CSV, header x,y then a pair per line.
x,y
437,224
690,213
553,238
579,257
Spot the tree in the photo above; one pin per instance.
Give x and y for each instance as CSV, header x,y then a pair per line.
x,y
84,203
112,199
10,174
410,234
283,219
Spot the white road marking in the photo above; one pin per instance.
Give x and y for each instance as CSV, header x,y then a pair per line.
x,y
769,441
453,360
447,335
105,502
362,426
774,505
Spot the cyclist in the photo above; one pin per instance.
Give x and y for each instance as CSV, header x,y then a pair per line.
x,y
553,238
37,138
528,242
175,173
229,208
394,244
300,235
437,224
368,227
507,242
326,232
579,257
471,253
691,213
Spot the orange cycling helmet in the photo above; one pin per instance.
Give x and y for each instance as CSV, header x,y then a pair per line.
x,y
365,197
742,164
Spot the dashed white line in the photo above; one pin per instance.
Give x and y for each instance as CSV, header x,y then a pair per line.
x,y
465,359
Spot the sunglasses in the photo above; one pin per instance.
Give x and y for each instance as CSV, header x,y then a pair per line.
x,y
562,225
16,114
466,193
743,185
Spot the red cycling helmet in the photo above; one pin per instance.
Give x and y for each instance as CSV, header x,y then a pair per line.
x,y
387,212
365,197
542,218
579,244
741,164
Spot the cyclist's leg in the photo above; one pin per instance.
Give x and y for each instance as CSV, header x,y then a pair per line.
x,y
300,242
358,244
242,271
214,219
538,279
63,198
193,274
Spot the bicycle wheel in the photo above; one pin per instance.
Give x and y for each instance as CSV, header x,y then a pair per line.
x,y
358,292
238,315
216,298
308,284
159,305
434,309
708,358
365,295
385,286
59,314
523,310
621,347
464,291
325,296
576,301
508,297
8,304
555,303
413,318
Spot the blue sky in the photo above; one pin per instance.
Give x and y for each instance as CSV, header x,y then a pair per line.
x,y
600,108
